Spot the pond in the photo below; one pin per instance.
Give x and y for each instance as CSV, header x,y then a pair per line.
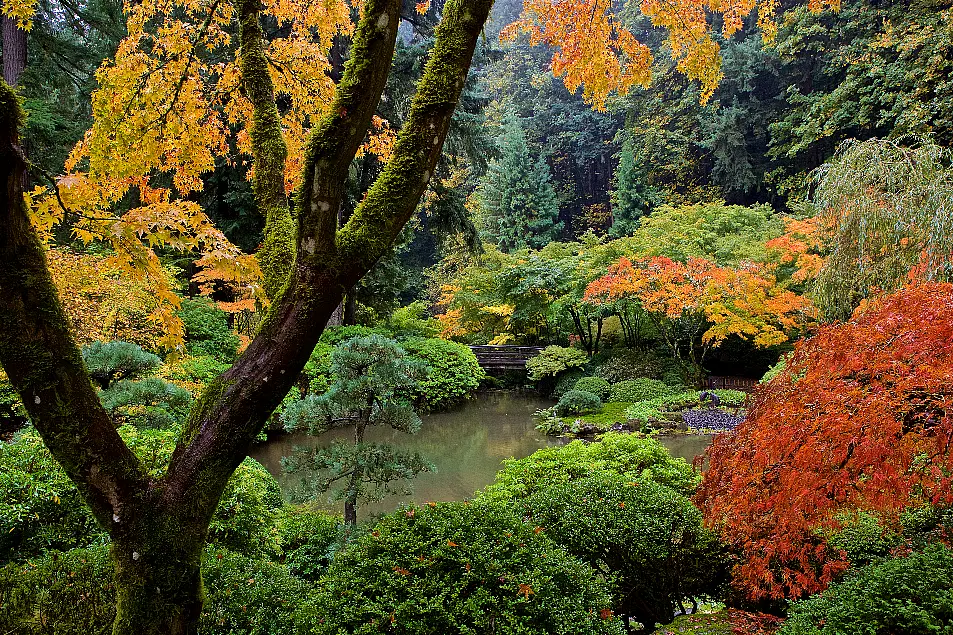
x,y
468,446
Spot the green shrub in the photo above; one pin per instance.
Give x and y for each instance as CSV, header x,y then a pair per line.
x,y
454,371
72,593
207,331
595,385
67,593
334,335
12,413
248,596
636,390
911,595
309,539
41,509
578,402
655,409
200,369
566,382
458,568
413,320
247,514
146,403
628,364
632,456
644,537
863,538
317,371
108,361
554,360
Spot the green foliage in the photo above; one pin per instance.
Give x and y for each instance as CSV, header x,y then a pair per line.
x,y
458,568
413,320
554,360
72,593
911,595
147,403
725,234
636,458
632,197
374,383
196,370
247,595
334,335
108,361
207,331
318,369
657,408
518,202
636,390
863,538
454,371
67,593
41,509
247,513
309,538
628,364
566,382
645,538
577,402
596,385
12,413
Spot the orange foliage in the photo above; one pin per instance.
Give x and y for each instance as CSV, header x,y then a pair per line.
x,y
102,303
860,419
800,246
593,49
699,300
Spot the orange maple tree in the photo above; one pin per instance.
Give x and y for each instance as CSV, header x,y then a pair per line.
x,y
697,305
593,48
860,419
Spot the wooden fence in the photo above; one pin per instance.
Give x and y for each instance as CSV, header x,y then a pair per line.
x,y
504,357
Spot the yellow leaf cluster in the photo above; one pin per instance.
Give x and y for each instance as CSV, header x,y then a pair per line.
x,y
20,10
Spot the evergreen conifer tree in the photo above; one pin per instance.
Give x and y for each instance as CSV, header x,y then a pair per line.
x,y
517,196
374,385
632,197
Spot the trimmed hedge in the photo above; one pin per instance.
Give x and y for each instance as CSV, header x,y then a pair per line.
x,y
578,402
636,390
454,371
595,385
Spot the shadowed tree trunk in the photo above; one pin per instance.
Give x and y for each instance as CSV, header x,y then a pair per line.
x,y
159,525
14,51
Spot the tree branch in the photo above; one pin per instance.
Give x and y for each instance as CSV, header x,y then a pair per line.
x,y
40,355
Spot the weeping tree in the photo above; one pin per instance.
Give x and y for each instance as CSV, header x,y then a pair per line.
x,y
886,213
159,525
375,384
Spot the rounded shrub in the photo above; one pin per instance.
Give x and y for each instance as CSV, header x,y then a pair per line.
x,y
578,402
454,371
646,538
636,458
595,385
147,403
207,331
628,364
247,512
309,538
458,568
108,361
554,360
635,390
566,382
334,335
911,595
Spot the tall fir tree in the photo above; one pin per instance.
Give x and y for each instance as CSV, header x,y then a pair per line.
x,y
517,198
632,196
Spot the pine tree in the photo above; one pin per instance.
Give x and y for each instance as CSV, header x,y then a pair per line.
x,y
632,197
517,196
374,385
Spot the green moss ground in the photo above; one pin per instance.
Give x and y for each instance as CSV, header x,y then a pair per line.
x,y
724,622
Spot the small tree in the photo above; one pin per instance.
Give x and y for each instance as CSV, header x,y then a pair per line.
x,y
374,383
108,361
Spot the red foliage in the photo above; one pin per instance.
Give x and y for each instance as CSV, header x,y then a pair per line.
x,y
860,419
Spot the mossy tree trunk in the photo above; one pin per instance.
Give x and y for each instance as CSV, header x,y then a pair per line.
x,y
159,525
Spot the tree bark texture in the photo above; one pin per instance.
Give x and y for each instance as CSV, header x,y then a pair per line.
x,y
159,525
14,51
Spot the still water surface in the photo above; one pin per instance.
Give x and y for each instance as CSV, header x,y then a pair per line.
x,y
468,446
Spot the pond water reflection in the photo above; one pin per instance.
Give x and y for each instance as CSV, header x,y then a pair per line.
x,y
468,446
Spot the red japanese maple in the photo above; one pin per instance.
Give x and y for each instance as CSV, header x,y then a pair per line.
x,y
860,419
